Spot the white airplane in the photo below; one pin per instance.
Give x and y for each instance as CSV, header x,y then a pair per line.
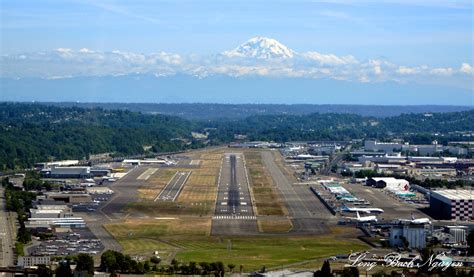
x,y
363,210
414,220
363,219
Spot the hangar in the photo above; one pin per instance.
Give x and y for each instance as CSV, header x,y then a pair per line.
x,y
452,204
388,183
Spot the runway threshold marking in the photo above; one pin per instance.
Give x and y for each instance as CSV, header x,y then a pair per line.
x,y
236,217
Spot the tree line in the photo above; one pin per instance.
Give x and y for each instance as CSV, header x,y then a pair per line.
x,y
31,133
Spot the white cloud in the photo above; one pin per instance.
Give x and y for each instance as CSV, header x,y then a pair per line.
x,y
405,70
85,50
330,59
68,63
466,69
442,71
376,66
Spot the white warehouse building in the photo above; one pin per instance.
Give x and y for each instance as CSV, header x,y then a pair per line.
x,y
389,183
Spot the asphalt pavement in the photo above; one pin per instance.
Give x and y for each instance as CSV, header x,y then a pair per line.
x,y
171,191
7,242
234,213
307,213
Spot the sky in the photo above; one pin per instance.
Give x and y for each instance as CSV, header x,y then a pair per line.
x,y
408,31
427,42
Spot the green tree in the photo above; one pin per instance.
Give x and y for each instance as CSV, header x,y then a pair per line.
x,y
64,269
108,262
350,272
85,262
43,271
326,269
155,260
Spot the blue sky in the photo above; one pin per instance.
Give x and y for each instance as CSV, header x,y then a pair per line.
x,y
409,32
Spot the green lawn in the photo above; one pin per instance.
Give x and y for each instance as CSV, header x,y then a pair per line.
x,y
255,252
189,240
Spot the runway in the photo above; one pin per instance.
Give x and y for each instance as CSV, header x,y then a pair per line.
x,y
308,215
234,214
173,188
126,191
147,174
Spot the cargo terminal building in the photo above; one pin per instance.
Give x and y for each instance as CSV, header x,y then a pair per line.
x,y
452,204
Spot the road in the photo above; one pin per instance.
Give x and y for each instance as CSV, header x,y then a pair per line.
x,y
307,213
234,213
6,234
174,186
335,160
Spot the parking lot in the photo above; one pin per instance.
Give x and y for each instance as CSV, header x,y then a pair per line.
x,y
79,240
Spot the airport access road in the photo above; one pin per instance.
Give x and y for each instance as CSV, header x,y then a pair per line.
x,y
6,237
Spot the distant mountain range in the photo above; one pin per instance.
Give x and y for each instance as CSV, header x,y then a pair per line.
x,y
209,111
182,88
260,70
261,48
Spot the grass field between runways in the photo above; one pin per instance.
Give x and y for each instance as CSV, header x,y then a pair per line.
x,y
198,194
187,239
266,197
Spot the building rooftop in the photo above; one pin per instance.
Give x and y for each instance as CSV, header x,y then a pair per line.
x,y
454,194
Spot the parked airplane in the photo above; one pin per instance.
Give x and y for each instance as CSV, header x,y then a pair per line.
x,y
414,220
363,210
363,219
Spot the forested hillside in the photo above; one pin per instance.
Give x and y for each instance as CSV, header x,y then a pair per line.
x,y
32,133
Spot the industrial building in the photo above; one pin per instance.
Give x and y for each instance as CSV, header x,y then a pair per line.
x,y
56,163
50,211
432,171
408,235
78,172
389,183
452,204
28,261
69,222
69,197
387,147
458,233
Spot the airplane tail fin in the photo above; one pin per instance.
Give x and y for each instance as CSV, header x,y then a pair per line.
x,y
358,215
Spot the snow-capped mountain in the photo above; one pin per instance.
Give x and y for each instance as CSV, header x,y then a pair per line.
x,y
261,48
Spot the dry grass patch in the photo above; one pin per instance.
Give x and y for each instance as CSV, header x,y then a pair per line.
x,y
266,197
197,197
156,183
